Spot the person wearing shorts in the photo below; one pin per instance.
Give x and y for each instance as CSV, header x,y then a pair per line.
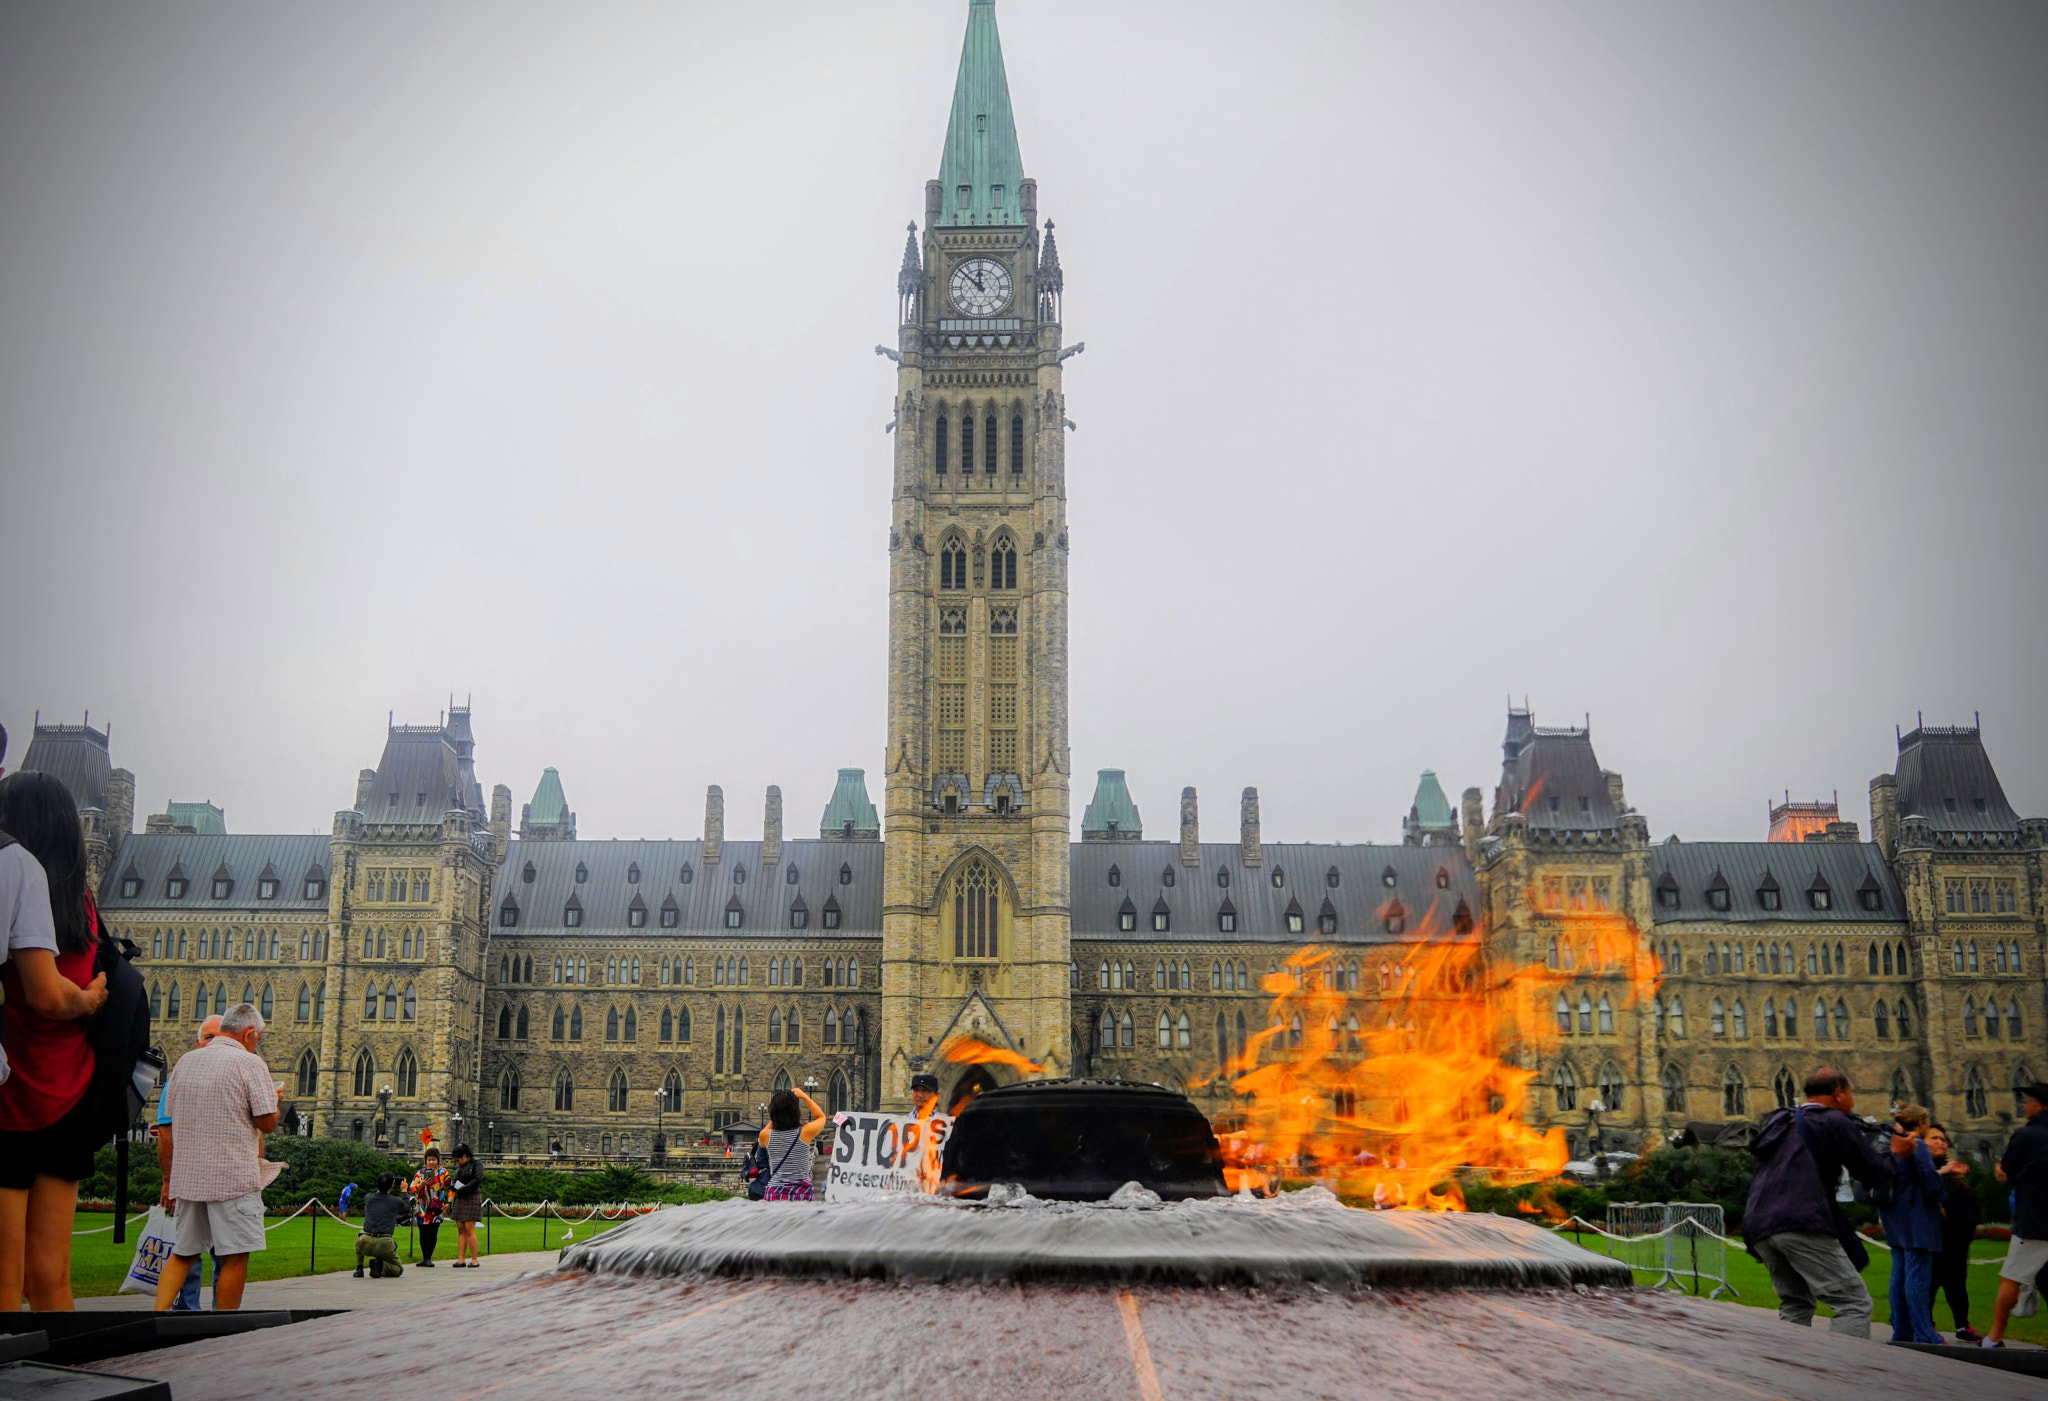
x,y
2025,1168
221,1102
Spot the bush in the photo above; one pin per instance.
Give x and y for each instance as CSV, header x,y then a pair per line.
x,y
321,1167
1689,1175
145,1183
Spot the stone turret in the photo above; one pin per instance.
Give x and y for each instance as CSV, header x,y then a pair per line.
x,y
501,819
771,827
1249,850
366,783
1884,814
714,824
1190,829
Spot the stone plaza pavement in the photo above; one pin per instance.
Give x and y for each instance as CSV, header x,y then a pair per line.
x,y
342,1290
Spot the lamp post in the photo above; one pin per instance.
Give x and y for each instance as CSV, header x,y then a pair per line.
x,y
384,1117
1593,1113
457,1120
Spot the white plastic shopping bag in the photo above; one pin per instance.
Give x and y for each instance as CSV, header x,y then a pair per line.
x,y
151,1250
2029,1302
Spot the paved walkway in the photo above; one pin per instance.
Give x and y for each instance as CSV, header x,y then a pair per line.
x,y
342,1290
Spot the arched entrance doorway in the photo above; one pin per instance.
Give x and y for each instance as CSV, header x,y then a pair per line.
x,y
975,1082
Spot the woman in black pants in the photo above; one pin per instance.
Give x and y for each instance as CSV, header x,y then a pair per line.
x,y
1959,1217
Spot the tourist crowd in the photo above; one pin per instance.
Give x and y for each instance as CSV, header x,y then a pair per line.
x,y
1795,1222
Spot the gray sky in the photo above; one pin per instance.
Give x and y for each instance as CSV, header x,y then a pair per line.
x,y
1687,365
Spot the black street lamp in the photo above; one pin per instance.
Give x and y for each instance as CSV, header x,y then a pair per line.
x,y
384,1117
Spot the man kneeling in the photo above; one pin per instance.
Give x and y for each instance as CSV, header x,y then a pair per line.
x,y
381,1215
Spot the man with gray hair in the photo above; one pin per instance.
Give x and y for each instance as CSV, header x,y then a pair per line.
x,y
221,1101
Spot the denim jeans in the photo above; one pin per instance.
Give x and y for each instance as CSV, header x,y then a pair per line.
x,y
188,1297
1912,1296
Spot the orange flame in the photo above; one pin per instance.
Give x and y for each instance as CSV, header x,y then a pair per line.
x,y
968,1051
1392,1097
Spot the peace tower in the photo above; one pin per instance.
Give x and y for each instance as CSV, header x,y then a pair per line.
x,y
976,917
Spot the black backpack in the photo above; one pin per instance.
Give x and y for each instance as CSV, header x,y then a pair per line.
x,y
120,1036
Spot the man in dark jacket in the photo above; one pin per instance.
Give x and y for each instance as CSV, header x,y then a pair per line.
x,y
1793,1223
2025,1168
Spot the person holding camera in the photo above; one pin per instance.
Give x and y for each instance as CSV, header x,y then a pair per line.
x,y
1792,1222
1912,1227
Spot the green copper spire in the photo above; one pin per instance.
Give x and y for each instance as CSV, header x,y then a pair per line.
x,y
548,799
1431,815
981,169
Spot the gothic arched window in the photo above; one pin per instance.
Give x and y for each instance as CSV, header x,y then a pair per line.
x,y
615,1093
365,1074
939,444
1975,1100
1016,444
976,912
1784,1088
967,443
309,1073
408,1074
565,1091
520,1026
1002,567
1566,1084
1734,1094
508,1088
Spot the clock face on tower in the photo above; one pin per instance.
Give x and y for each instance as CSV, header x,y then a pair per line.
x,y
980,287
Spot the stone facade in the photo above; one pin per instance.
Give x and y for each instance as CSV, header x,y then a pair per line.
x,y
612,998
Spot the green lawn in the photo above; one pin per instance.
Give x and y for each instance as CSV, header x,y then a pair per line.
x,y
98,1265
1753,1287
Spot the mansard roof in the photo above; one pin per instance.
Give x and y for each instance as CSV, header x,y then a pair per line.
x,y
421,776
202,818
76,756
152,857
1945,776
1361,898
1842,868
850,809
1553,778
765,894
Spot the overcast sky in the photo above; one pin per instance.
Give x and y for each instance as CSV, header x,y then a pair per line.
x,y
1686,366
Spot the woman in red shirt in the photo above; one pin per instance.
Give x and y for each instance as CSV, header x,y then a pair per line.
x,y
47,1139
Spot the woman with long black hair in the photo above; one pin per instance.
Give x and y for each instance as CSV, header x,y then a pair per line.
x,y
47,1129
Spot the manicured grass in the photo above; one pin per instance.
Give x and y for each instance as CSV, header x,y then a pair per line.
x,y
98,1265
1752,1284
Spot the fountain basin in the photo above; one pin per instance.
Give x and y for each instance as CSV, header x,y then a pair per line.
x,y
1302,1238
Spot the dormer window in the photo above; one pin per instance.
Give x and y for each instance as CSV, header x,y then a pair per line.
x,y
671,913
1443,878
508,914
1818,895
1127,917
1279,878
222,887
735,913
633,874
688,874
1226,918
799,915
316,888
174,888
266,889
1388,878
1223,878
528,873
995,196
1397,918
846,875
1717,893
1294,920
963,195
572,913
1870,895
1166,877
739,874
131,887
1331,878
1667,893
582,873
1326,922
1116,877
1162,920
790,877
636,914
831,912
1768,896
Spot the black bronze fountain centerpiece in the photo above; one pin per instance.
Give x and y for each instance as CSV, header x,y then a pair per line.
x,y
1081,1140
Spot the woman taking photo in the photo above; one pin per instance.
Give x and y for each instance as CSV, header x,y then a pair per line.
x,y
787,1140
47,1135
467,1207
430,1192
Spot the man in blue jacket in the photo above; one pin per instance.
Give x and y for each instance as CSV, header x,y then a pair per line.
x,y
1793,1224
1912,1228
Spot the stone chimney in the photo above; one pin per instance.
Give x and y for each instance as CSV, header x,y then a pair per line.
x,y
771,828
714,824
160,824
120,805
1248,829
1190,829
1884,814
365,781
501,819
1614,791
1473,804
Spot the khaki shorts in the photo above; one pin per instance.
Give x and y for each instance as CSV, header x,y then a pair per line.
x,y
233,1227
2024,1259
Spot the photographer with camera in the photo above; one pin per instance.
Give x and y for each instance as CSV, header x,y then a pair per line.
x,y
1792,1222
1912,1227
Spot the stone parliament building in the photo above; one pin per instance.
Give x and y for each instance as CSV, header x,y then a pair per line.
x,y
432,962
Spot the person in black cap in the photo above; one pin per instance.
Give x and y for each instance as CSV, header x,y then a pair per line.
x,y
924,1101
2025,1168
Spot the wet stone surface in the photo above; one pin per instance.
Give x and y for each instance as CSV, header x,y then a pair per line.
x,y
573,1335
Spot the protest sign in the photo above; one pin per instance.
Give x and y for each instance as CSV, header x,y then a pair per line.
x,y
879,1155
